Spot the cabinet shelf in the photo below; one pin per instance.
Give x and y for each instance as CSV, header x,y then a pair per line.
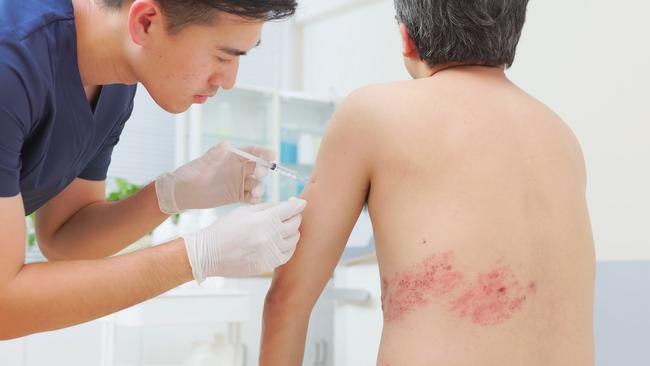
x,y
290,123
302,129
233,139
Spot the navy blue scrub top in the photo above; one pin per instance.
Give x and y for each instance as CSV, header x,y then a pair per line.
x,y
49,135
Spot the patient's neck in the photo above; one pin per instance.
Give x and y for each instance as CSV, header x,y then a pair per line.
x,y
427,71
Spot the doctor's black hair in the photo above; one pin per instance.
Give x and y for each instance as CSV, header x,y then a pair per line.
x,y
181,13
479,32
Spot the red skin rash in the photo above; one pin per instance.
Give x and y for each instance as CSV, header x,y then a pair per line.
x,y
432,278
491,299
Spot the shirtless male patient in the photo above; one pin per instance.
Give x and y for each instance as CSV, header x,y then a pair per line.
x,y
476,193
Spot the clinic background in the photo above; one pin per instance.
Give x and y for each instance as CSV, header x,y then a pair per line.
x,y
587,60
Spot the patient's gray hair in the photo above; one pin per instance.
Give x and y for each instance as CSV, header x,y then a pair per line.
x,y
480,32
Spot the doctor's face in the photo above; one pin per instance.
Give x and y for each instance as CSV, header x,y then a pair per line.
x,y
190,66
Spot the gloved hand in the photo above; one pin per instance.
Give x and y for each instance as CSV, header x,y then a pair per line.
x,y
248,241
217,178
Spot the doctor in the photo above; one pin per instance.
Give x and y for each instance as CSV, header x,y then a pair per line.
x,y
68,70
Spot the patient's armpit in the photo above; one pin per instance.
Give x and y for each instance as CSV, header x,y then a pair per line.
x,y
490,299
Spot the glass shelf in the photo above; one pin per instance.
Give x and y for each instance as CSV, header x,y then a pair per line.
x,y
210,139
302,125
303,129
238,114
299,167
291,124
290,188
305,115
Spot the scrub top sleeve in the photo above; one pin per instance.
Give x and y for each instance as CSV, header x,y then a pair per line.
x,y
15,112
97,169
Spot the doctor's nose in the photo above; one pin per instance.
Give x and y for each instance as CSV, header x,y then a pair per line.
x,y
226,78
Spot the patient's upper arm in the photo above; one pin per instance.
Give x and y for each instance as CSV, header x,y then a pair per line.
x,y
335,196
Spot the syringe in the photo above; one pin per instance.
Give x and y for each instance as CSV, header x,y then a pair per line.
x,y
269,164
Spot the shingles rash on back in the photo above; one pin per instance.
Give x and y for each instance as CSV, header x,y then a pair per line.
x,y
428,280
492,298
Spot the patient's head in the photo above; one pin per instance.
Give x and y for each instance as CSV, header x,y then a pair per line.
x,y
448,32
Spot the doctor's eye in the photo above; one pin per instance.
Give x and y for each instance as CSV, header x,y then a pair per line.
x,y
222,60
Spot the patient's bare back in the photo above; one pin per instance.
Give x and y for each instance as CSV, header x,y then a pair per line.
x,y
483,238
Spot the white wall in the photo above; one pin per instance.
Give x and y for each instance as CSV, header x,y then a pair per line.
x,y
589,61
586,59
358,46
269,65
147,144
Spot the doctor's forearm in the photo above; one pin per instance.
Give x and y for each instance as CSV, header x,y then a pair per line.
x,y
47,296
102,229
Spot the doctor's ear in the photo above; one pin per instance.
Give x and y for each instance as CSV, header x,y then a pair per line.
x,y
409,49
145,18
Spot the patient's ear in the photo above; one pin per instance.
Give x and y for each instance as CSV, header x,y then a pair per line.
x,y
409,50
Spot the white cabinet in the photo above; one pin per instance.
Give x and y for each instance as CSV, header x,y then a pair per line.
x,y
302,123
186,306
158,332
290,123
12,352
242,116
76,346
358,319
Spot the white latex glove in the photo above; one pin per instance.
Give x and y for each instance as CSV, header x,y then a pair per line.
x,y
248,241
217,178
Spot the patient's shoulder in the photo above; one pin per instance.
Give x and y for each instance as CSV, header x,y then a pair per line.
x,y
374,95
360,123
369,105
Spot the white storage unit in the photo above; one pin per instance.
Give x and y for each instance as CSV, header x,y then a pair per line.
x,y
158,332
199,306
290,123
